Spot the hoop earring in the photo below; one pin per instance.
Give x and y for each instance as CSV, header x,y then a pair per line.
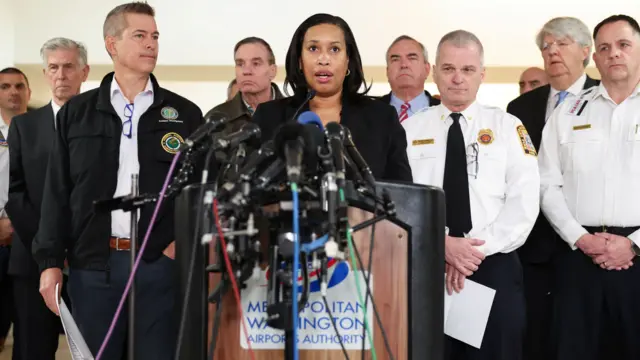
x,y
348,72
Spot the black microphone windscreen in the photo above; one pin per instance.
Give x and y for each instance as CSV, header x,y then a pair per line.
x,y
216,116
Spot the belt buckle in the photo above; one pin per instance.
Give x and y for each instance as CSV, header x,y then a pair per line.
x,y
118,245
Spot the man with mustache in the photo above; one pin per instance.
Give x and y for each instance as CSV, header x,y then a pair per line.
x,y
407,69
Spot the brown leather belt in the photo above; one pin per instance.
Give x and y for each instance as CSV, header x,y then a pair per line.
x,y
120,244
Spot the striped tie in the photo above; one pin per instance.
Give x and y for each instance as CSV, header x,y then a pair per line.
x,y
404,115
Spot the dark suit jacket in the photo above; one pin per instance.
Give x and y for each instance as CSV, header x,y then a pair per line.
x,y
374,126
531,108
30,138
432,101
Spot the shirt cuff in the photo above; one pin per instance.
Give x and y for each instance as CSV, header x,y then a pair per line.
x,y
573,233
635,237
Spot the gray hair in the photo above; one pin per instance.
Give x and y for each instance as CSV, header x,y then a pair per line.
x,y
409,38
60,43
460,39
567,27
233,82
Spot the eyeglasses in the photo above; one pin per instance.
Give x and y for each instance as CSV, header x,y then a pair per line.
x,y
127,126
472,160
562,43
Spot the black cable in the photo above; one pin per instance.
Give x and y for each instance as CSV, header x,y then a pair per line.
x,y
335,327
369,295
373,303
216,327
194,249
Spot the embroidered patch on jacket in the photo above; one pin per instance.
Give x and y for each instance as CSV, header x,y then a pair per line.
x,y
525,141
423,142
171,142
169,113
485,136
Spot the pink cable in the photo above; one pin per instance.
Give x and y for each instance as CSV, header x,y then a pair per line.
x,y
139,257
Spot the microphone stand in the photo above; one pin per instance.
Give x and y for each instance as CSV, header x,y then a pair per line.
x,y
133,241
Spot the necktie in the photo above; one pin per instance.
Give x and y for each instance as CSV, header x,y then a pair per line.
x,y
404,115
561,96
456,181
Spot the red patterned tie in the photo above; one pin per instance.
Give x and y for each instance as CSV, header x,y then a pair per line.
x,y
403,112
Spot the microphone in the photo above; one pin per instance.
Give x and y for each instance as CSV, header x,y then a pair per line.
x,y
308,98
355,156
250,166
292,140
214,121
335,136
247,132
309,117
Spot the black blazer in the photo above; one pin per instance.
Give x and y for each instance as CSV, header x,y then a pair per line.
x,y
432,101
374,126
531,108
30,138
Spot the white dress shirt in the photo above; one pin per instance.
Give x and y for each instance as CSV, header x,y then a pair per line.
x,y
501,163
128,165
590,164
55,108
573,90
4,167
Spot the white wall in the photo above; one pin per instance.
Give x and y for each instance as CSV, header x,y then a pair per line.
x,y
203,32
6,34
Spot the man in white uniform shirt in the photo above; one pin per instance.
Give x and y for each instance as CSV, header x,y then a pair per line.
x,y
590,171
484,160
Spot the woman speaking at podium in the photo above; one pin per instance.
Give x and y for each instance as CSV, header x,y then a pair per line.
x,y
323,59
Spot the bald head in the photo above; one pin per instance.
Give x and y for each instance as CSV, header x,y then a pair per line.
x,y
532,78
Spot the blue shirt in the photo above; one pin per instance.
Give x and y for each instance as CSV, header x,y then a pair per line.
x,y
418,103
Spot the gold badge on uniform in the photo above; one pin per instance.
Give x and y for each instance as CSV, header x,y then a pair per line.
x,y
485,136
171,142
422,142
525,141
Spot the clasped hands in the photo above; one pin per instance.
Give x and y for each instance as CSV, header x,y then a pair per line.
x,y
462,260
609,251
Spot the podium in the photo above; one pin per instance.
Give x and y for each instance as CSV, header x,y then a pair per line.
x,y
407,280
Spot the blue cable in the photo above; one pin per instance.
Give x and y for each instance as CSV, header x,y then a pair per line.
x,y
315,245
296,266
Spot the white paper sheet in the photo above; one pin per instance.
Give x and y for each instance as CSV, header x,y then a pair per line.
x,y
466,313
77,346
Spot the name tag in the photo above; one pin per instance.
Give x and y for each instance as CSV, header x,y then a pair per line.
x,y
423,142
582,127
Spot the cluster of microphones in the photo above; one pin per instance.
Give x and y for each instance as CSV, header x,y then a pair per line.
x,y
318,158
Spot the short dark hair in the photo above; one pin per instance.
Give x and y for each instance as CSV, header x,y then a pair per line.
x,y
256,40
295,77
615,18
115,22
16,71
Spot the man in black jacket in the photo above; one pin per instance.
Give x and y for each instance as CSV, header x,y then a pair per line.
x,y
129,125
31,135
565,44
407,69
